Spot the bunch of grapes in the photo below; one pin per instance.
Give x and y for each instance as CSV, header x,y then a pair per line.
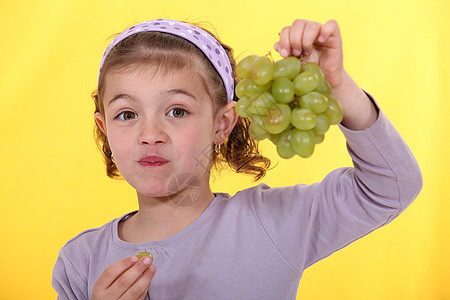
x,y
286,102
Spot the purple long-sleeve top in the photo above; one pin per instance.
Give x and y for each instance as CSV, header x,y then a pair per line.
x,y
256,244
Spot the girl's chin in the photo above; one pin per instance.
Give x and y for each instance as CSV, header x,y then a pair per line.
x,y
156,192
184,190
164,187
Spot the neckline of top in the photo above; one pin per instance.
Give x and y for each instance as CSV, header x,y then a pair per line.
x,y
220,198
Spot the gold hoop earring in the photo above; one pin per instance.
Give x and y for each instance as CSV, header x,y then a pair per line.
x,y
217,148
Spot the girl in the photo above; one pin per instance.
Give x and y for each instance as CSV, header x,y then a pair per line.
x,y
165,115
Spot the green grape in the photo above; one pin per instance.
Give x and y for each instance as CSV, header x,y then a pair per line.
x,y
288,67
278,118
318,138
323,124
240,89
241,107
244,67
303,118
251,88
256,128
284,148
305,82
259,104
302,142
142,254
314,68
314,101
257,120
323,86
274,138
334,111
283,90
262,70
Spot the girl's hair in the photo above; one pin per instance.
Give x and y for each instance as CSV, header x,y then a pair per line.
x,y
168,52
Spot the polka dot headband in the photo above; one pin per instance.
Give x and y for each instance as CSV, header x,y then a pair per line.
x,y
203,40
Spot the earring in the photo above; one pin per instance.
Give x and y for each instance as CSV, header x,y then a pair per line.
x,y
217,148
112,158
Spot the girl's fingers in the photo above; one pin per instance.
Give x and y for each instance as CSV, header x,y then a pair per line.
x,y
330,28
310,35
295,36
299,38
140,287
129,277
113,271
284,45
276,46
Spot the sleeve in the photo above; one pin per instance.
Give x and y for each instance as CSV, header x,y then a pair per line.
x,y
307,223
66,280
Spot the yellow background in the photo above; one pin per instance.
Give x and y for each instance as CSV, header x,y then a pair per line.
x,y
52,179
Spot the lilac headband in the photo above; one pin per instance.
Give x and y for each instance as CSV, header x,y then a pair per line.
x,y
203,40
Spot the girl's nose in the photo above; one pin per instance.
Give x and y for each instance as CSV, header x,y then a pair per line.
x,y
152,133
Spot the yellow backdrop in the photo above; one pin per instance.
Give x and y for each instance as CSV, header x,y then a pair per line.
x,y
52,180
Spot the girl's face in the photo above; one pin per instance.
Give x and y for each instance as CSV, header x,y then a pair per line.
x,y
160,126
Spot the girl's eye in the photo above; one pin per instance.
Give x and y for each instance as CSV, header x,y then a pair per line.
x,y
177,112
127,115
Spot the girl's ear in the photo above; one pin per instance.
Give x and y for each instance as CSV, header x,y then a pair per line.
x,y
101,123
227,119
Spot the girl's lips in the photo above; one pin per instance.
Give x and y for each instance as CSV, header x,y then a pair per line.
x,y
153,161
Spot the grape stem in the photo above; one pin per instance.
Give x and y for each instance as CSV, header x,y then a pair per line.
x,y
293,104
269,54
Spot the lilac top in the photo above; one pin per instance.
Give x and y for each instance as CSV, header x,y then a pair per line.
x,y
256,244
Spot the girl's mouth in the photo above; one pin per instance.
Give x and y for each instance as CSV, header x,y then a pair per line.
x,y
152,161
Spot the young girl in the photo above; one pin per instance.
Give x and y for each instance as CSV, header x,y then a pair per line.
x,y
165,115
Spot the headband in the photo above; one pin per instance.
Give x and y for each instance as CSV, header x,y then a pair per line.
x,y
199,37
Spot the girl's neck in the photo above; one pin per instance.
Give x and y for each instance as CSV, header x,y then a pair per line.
x,y
160,218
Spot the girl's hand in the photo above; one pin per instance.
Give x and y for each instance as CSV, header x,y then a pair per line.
x,y
126,279
317,43
322,44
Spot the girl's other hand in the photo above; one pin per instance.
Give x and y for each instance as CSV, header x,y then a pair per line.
x,y
317,43
126,279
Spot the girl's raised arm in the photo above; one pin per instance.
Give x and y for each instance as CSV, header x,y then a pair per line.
x,y
309,222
